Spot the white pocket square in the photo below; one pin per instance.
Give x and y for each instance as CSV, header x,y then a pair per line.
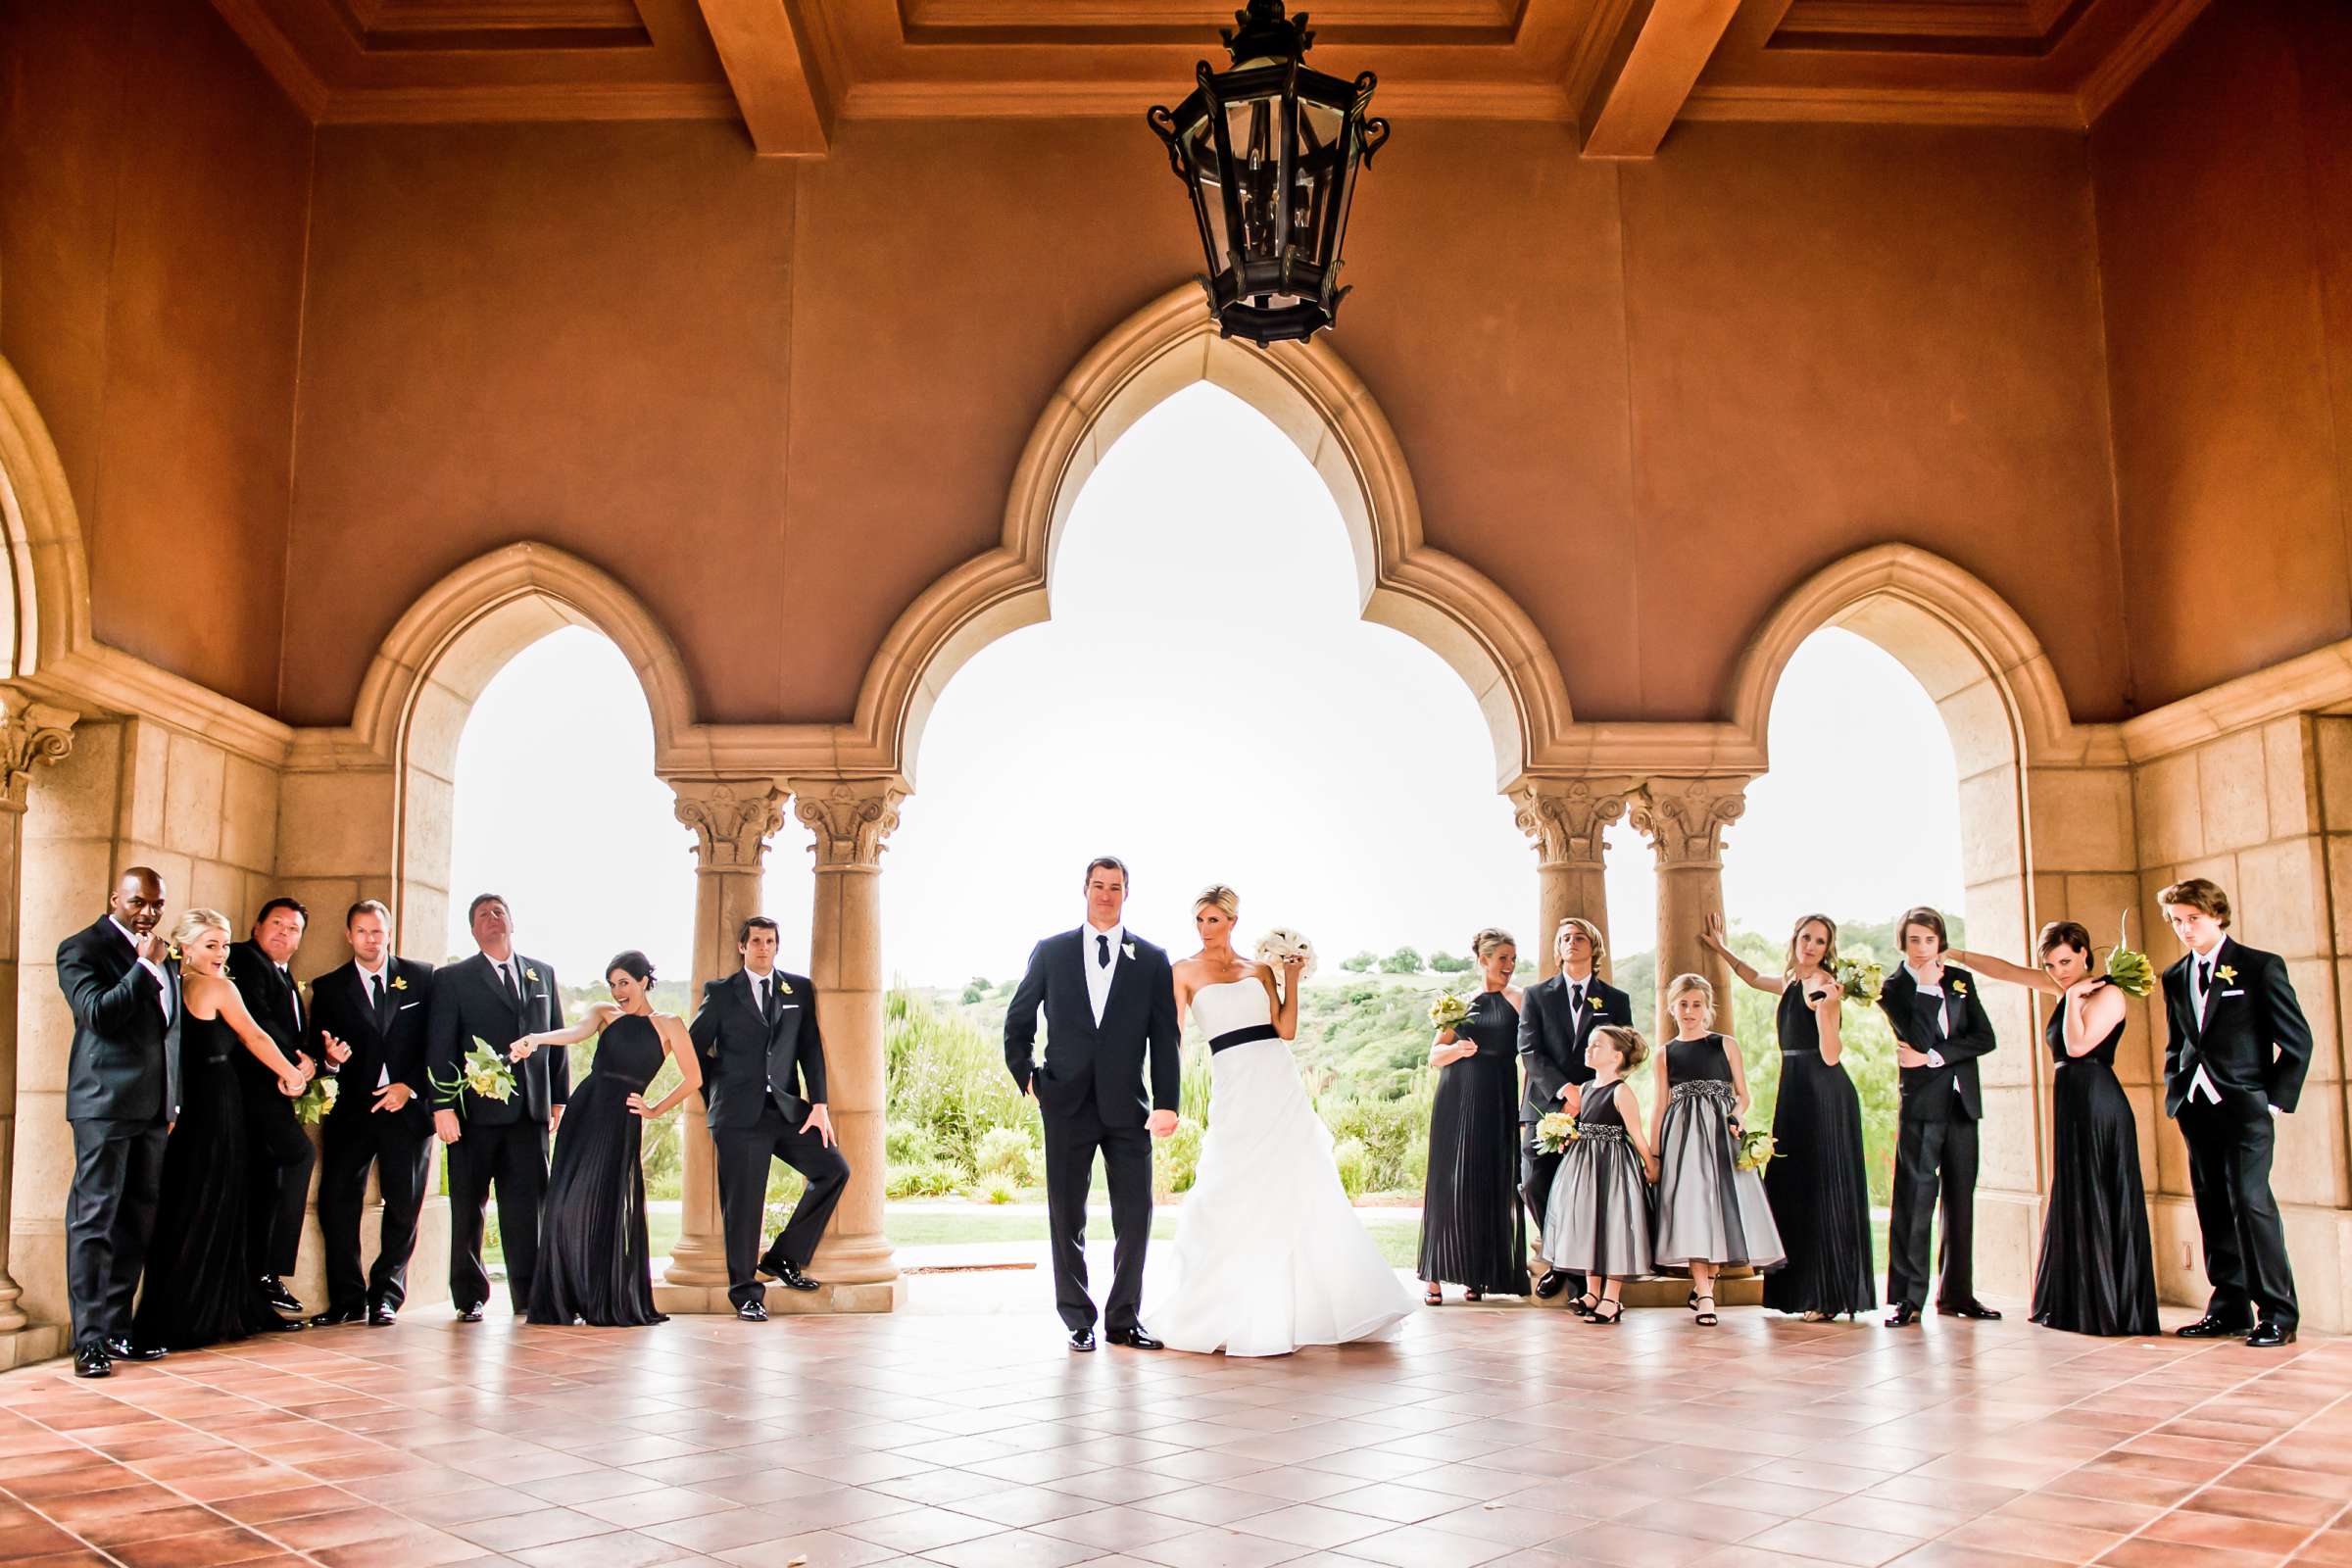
x,y
2233,993
788,1007
405,1005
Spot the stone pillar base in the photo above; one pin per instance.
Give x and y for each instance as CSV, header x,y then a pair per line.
x,y
36,1341
690,1299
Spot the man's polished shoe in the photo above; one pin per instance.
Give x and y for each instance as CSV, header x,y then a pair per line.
x,y
122,1349
469,1314
1903,1315
752,1312
90,1361
334,1317
2270,1335
382,1315
792,1278
1551,1285
1976,1309
274,1291
2209,1327
1082,1338
1134,1339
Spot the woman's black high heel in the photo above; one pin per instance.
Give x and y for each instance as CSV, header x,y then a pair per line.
x,y
1706,1317
1584,1305
1616,1311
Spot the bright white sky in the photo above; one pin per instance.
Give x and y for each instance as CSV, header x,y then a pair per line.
x,y
1206,704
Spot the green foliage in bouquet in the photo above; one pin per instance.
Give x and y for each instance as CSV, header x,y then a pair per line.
x,y
2130,971
1448,1012
314,1102
1555,1132
1756,1148
485,1071
1860,979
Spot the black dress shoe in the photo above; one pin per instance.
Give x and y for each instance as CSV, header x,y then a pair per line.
x,y
274,1291
122,1349
382,1315
90,1361
1976,1309
336,1316
2270,1335
469,1314
752,1312
1134,1339
2209,1327
1551,1285
792,1278
1903,1317
1082,1338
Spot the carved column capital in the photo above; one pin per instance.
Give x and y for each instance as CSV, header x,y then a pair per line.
x,y
850,817
30,732
1683,818
1567,817
732,820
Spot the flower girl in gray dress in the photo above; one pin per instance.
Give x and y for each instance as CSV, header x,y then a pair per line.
x,y
1596,1223
1711,1214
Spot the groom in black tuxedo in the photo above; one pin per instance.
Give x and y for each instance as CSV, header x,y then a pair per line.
x,y
1940,1029
279,1155
498,996
1559,1017
2237,1047
370,1016
755,1033
122,1095
1109,999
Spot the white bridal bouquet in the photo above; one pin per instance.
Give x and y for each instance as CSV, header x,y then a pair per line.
x,y
1281,945
1555,1132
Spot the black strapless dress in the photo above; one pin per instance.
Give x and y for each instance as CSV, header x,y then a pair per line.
x,y
2098,1273
1817,1183
593,1266
1473,1229
200,1285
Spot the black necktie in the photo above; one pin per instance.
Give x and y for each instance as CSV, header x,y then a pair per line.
x,y
767,1001
2204,978
505,977
1101,950
376,984
293,993
1576,999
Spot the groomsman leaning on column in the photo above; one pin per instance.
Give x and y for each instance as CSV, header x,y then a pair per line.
x,y
497,997
122,1095
2235,1051
1559,1017
371,1016
1940,1029
280,1157
757,1035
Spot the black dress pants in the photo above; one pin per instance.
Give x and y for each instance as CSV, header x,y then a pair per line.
x,y
1932,1157
403,1158
117,1178
281,1157
510,1157
1072,1137
744,1154
2229,1149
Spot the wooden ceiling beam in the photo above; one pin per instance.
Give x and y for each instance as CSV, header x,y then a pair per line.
x,y
773,74
1647,73
276,55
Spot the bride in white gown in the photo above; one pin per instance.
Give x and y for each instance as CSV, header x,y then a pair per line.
x,y
1269,1252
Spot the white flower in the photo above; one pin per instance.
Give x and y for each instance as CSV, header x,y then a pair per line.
x,y
1281,944
1130,947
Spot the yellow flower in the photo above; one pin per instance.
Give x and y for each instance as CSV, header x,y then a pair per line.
x,y
2228,975
1960,988
400,982
783,986
532,975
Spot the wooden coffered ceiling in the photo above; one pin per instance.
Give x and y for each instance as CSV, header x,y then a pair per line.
x,y
1623,72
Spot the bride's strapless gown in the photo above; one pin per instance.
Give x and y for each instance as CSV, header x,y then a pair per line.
x,y
1269,1252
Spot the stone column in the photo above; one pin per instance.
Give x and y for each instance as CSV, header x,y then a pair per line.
x,y
29,732
732,821
1683,819
1567,818
850,818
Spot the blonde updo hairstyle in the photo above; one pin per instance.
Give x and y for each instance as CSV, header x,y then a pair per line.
x,y
1219,896
192,921
1488,940
1632,1050
1682,985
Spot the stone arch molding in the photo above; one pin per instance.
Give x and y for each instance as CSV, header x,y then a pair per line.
x,y
48,597
1316,400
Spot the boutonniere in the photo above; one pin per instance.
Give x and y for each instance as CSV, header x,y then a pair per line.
x,y
532,975
2228,975
400,982
783,987
1959,988
1130,947
172,954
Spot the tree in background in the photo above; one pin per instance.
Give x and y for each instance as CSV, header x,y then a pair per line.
x,y
975,988
1405,960
1448,963
1361,963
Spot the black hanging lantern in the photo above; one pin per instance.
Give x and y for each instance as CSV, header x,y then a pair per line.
x,y
1269,151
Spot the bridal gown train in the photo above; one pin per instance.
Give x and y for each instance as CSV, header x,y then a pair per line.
x,y
1269,1252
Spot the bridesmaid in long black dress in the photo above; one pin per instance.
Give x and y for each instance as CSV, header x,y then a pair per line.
x,y
200,1285
2098,1273
594,1262
1818,1183
1473,1229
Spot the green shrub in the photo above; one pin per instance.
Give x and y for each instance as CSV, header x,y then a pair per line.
x,y
1007,1151
1355,1165
934,1178
1176,1159
945,1076
907,1143
997,1190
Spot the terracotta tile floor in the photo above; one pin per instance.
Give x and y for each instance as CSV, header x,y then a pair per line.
x,y
1496,1434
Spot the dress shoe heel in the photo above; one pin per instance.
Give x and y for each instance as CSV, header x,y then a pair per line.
x,y
91,1362
2269,1337
752,1312
2209,1327
1082,1338
1904,1316
1134,1339
123,1350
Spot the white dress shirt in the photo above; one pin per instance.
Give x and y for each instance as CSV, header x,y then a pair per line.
x,y
371,981
761,985
1098,975
1943,1022
2200,1082
1578,997
163,981
287,975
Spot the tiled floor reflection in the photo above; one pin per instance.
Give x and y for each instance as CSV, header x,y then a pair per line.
x,y
1495,1435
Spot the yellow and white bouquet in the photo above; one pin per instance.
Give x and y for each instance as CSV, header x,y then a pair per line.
x,y
1860,978
485,1071
1448,1012
1755,1152
1555,1131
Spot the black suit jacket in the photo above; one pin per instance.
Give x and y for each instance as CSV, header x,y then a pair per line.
x,y
745,1060
1940,1093
1551,1042
125,1060
470,1004
398,1042
1086,1061
271,997
2252,1041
